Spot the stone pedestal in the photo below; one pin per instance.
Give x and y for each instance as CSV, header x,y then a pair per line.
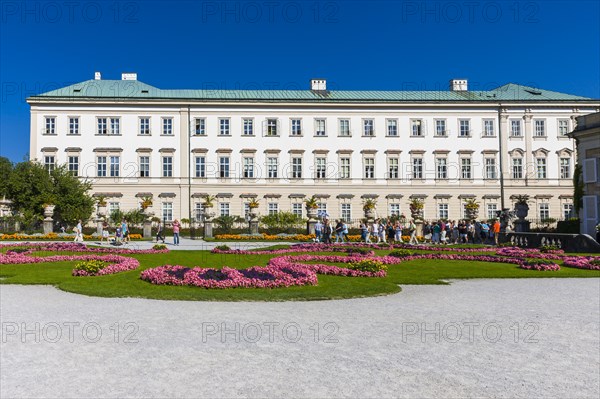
x,y
253,227
419,224
208,229
147,229
99,222
310,226
48,225
521,226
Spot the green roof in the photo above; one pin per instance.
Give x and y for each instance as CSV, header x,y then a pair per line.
x,y
134,89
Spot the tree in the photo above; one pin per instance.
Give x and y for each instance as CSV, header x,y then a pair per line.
x,y
134,217
226,222
282,221
30,187
6,168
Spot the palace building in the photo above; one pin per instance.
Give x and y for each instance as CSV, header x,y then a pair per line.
x,y
133,140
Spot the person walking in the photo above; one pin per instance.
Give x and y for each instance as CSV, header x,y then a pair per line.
x,y
496,231
485,231
391,232
176,227
318,231
124,230
364,233
375,230
159,232
436,230
339,232
79,232
412,227
398,232
104,232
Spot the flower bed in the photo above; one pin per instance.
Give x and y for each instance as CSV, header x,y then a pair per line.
x,y
582,262
78,247
53,236
540,265
264,237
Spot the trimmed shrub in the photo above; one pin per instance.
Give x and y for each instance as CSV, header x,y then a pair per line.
x,y
401,253
91,266
368,265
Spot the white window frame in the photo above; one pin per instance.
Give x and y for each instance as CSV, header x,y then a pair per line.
x,y
341,131
144,126
368,127
296,127
224,127
489,127
144,166
391,127
167,166
73,125
167,126
441,123
199,126
320,127
462,122
50,125
369,168
247,127
200,166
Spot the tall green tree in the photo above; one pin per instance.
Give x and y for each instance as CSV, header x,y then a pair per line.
x,y
30,186
6,168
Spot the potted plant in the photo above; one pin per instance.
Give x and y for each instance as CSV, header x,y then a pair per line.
x,y
253,205
416,208
471,209
208,204
146,202
311,204
369,205
101,205
521,206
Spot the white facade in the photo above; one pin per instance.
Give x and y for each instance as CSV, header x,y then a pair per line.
x,y
339,150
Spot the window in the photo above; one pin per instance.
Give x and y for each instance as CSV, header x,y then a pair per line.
x,y
515,128
417,168
345,127
113,206
368,127
248,126
246,209
115,126
442,211
320,127
73,125
296,168
416,127
224,208
297,209
248,167
565,168
441,168
273,208
272,127
272,167
167,211
517,168
224,127
144,166
369,166
321,208
465,168
200,168
488,128
491,210
102,126
440,127
167,166
296,125
167,126
199,127
223,167
567,211
346,212
540,167
320,168
394,209
199,211
50,125
540,128
392,127
145,126
115,166
563,127
490,168
49,163
393,168
344,168
73,165
464,128
544,211
101,166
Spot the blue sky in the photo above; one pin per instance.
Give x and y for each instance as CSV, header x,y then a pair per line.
x,y
356,45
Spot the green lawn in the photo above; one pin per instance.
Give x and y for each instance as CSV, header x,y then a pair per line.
x,y
128,284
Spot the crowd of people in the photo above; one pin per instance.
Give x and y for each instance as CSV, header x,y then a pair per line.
x,y
438,232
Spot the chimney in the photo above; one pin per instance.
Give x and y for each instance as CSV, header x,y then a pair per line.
x,y
129,76
318,84
97,76
458,85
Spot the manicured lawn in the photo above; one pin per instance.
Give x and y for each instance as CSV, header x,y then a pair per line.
x,y
128,284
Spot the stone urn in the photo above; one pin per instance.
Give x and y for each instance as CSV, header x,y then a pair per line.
x,y
101,211
311,213
471,213
208,214
253,215
370,214
49,211
521,210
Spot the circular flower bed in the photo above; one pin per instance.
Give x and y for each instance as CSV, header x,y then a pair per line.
x,y
78,247
110,263
583,262
540,264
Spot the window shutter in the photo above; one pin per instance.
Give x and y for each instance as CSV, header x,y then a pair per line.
x,y
590,170
590,214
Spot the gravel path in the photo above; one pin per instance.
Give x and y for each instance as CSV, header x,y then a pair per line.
x,y
375,347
